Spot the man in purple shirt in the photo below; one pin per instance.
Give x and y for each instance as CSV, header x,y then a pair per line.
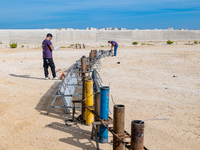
x,y
47,57
115,45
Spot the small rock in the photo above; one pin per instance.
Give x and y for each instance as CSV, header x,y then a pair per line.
x,y
174,76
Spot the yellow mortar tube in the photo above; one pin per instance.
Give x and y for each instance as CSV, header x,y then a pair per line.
x,y
89,101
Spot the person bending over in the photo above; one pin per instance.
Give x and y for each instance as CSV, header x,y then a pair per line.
x,y
115,45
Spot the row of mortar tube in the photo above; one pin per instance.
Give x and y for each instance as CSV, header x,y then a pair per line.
x,y
102,110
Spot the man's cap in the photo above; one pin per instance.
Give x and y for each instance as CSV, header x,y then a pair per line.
x,y
49,35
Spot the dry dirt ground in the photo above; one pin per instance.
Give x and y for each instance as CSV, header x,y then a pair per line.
x,y
153,82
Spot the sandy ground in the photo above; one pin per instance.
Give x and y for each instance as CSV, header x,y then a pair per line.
x,y
152,82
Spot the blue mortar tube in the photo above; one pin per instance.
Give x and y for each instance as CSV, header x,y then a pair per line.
x,y
104,110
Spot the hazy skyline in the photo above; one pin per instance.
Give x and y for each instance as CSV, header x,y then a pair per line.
x,y
143,14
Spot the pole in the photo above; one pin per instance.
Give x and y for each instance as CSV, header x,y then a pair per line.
x,y
89,101
118,126
83,65
97,108
93,53
137,134
83,68
90,55
104,110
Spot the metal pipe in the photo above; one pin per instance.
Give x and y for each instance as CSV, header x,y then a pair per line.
x,y
83,65
118,126
97,108
83,116
73,112
83,68
137,134
92,54
89,101
104,110
111,131
95,53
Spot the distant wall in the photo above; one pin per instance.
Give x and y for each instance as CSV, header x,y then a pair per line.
x,y
164,35
97,36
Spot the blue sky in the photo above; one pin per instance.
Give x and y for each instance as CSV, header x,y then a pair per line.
x,y
80,14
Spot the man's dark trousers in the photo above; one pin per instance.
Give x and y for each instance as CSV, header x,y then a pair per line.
x,y
115,50
46,63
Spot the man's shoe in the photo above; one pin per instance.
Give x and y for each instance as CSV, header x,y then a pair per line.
x,y
55,78
47,78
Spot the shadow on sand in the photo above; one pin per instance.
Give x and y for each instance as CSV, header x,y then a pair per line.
x,y
46,101
80,137
26,76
